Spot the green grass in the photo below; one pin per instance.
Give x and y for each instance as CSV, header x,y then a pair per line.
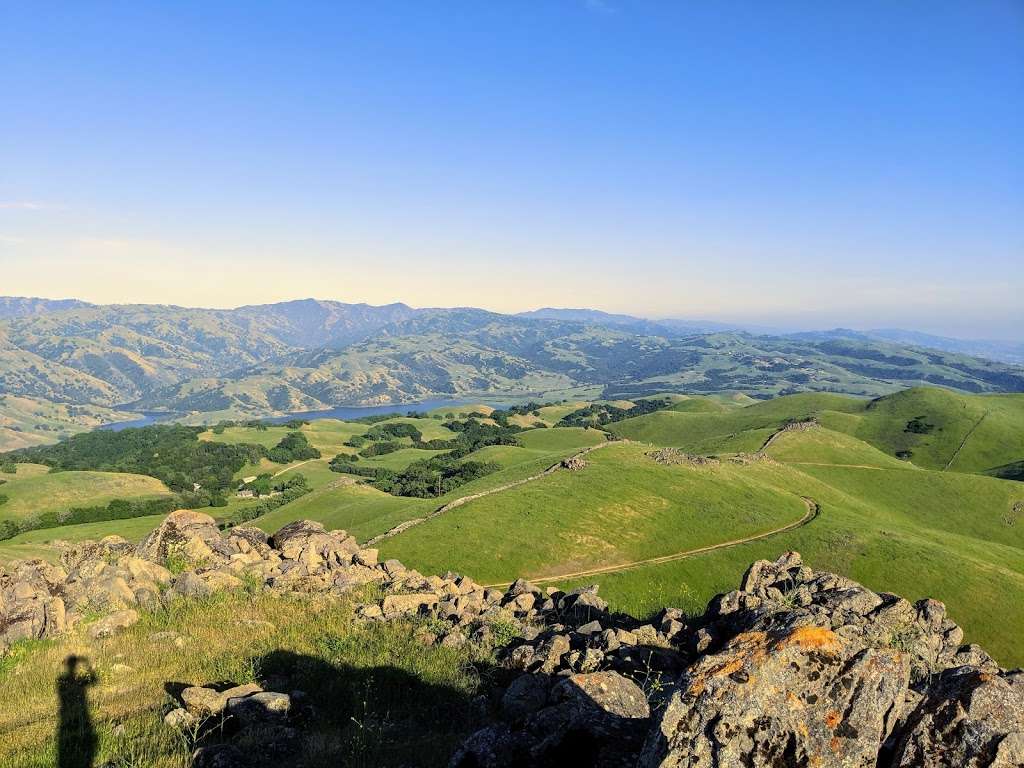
x,y
560,439
916,533
39,543
379,697
359,509
969,433
622,507
365,512
825,446
23,471
60,491
884,521
398,460
966,433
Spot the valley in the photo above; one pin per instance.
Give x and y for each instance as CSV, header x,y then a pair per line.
x,y
75,366
905,492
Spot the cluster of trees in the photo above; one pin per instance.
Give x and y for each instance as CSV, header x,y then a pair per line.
x,y
290,490
8,466
293,447
437,475
172,453
599,414
918,426
119,509
264,484
430,478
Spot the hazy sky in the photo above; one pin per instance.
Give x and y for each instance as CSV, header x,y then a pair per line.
x,y
799,163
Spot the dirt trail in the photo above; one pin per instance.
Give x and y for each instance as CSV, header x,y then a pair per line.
x,y
964,442
812,512
293,466
473,497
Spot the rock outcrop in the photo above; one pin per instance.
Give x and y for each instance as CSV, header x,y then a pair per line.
x,y
186,556
794,668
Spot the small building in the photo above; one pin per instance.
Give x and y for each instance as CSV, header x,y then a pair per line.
x,y
246,493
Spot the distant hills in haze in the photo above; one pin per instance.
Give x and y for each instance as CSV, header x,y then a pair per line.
x,y
207,364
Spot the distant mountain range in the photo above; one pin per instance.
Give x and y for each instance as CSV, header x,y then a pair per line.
x,y
313,355
1000,351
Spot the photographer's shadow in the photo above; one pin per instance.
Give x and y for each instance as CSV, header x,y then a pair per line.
x,y
76,736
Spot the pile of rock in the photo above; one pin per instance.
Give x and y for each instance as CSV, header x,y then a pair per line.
x,y
794,668
187,555
670,457
239,715
574,463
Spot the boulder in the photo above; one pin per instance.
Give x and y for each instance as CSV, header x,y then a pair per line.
x,y
969,717
401,605
796,695
114,623
261,707
525,695
188,533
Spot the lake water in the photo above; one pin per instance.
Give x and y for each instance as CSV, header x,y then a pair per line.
x,y
343,412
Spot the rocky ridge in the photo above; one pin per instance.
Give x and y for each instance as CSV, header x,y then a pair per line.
x,y
794,668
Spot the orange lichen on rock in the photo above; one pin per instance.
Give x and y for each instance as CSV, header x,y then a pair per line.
x,y
811,637
832,719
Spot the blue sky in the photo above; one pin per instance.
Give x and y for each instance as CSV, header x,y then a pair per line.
x,y
804,164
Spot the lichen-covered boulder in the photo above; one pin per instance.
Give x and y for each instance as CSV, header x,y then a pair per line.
x,y
796,695
191,535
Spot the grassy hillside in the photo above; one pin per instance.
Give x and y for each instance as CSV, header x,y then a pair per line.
x,y
40,543
622,507
883,520
917,533
60,491
366,512
934,428
934,525
965,433
360,679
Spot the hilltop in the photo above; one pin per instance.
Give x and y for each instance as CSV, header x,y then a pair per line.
x,y
242,650
203,365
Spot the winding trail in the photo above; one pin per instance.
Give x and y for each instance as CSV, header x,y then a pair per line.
x,y
813,510
401,527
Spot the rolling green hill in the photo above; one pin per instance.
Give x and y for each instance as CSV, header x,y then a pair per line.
x,y
60,491
934,428
630,517
881,520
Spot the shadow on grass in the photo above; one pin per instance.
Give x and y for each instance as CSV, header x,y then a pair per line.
x,y
347,715
76,736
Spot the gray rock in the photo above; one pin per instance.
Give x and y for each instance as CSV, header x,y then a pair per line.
x,y
609,692
797,696
114,623
969,717
525,695
219,756
262,707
